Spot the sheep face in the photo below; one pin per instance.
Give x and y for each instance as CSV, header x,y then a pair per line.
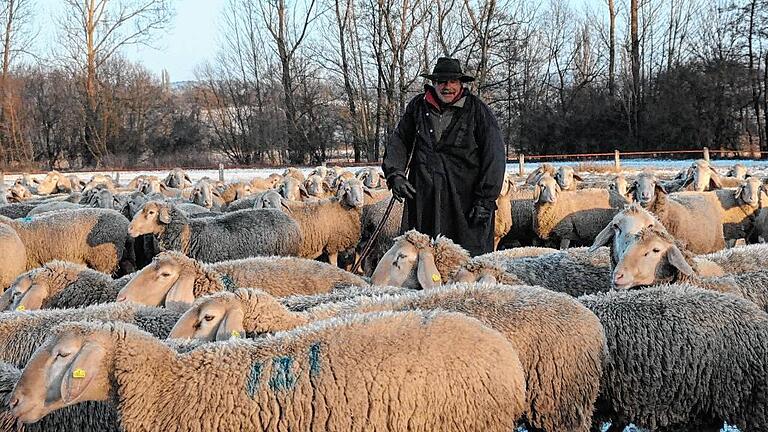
x,y
649,259
622,229
177,178
164,282
405,265
71,367
202,194
26,293
749,192
292,189
150,186
479,276
133,205
19,192
566,178
547,190
316,186
703,176
371,178
738,171
151,219
644,189
269,199
216,318
53,182
104,199
619,185
351,193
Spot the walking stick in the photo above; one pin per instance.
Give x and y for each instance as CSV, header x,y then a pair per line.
x,y
369,245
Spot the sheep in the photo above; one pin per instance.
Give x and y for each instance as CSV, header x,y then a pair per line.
x,y
739,208
619,185
572,216
205,195
19,193
503,216
138,181
101,181
13,256
340,178
740,259
270,182
235,191
177,179
416,261
682,358
676,213
317,187
519,252
17,210
704,177
60,284
175,278
329,226
233,235
53,207
372,178
299,303
545,168
294,381
292,189
566,178
654,258
54,182
371,218
561,386
482,271
738,171
95,237
294,173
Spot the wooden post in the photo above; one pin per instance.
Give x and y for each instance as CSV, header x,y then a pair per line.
x,y
706,154
616,160
2,178
221,172
117,177
521,164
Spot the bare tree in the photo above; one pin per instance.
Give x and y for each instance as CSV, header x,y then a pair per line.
x,y
93,31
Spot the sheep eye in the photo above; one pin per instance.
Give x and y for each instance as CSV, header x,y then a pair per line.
x,y
151,212
62,354
208,317
656,250
165,274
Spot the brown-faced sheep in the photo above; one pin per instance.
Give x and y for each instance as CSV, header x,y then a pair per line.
x,y
572,216
503,216
294,173
175,278
95,237
177,179
61,284
561,385
566,178
234,235
271,383
260,184
54,182
317,187
545,168
677,211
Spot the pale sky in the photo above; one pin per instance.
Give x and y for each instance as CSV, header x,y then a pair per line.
x,y
188,42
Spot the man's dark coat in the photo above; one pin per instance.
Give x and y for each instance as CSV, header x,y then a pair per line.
x,y
465,168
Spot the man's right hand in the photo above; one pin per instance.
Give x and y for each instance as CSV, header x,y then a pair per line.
x,y
401,188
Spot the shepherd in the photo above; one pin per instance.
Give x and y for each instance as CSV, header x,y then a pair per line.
x,y
457,167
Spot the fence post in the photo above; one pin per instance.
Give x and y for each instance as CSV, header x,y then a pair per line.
x,y
221,172
2,178
117,177
616,160
706,154
521,164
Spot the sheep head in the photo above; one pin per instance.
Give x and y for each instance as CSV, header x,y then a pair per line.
x,y
566,177
202,194
652,257
168,279
619,185
703,177
482,272
621,231
72,366
270,199
53,182
152,218
177,178
19,192
546,190
24,284
645,188
133,205
738,171
292,189
544,168
415,261
316,186
351,193
749,192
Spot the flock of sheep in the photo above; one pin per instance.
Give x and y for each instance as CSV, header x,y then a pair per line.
x,y
171,305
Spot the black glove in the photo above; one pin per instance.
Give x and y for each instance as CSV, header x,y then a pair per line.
x,y
401,188
479,215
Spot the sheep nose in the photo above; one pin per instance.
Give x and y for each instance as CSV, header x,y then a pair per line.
x,y
14,402
121,298
618,278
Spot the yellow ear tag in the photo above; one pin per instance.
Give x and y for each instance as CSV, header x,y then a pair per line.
x,y
435,277
21,308
78,373
235,333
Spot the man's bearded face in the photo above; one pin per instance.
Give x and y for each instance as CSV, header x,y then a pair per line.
x,y
447,91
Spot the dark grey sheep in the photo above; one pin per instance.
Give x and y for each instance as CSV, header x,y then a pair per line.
x,y
239,234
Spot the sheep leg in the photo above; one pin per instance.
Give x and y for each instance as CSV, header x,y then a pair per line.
x,y
730,243
564,243
333,259
496,241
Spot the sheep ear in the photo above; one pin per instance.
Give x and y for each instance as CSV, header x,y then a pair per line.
x,y
186,177
303,191
80,373
577,177
738,192
164,215
687,182
368,192
677,260
603,238
660,189
488,279
427,272
182,292
33,298
631,189
5,299
232,325
536,193
714,180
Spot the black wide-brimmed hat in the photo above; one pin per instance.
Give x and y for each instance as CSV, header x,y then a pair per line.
x,y
448,69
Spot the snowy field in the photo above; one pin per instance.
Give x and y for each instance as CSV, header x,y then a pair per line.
x,y
755,167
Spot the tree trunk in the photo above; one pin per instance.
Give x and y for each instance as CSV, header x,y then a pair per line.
x,y
611,48
635,65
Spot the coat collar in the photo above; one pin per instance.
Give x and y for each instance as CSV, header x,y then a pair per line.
x,y
430,96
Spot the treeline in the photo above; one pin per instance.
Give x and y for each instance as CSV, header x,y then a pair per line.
x,y
306,81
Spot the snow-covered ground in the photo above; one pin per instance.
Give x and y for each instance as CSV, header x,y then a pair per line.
x,y
756,167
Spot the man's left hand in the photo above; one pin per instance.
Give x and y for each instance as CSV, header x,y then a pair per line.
x,y
479,215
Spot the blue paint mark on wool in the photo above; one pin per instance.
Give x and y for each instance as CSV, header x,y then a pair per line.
x,y
227,281
282,377
252,382
26,219
314,360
